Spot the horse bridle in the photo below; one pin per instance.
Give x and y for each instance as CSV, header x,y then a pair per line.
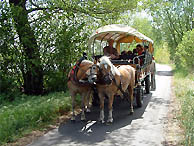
x,y
97,68
108,75
104,76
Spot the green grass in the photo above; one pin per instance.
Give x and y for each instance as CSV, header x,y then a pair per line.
x,y
184,90
29,113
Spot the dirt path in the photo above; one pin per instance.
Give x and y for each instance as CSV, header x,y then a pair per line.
x,y
145,127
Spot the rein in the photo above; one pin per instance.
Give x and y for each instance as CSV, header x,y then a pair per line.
x,y
119,87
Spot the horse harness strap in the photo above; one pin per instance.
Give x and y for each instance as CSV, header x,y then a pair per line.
x,y
119,86
76,67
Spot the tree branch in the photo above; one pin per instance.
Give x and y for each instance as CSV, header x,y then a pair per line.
x,y
36,9
172,24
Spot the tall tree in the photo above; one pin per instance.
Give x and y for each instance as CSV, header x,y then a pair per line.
x,y
32,69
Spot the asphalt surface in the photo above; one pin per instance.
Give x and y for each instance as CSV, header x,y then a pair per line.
x,y
144,128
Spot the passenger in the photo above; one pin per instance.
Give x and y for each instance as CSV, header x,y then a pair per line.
x,y
145,50
147,56
123,52
140,49
124,55
110,50
135,53
130,55
129,52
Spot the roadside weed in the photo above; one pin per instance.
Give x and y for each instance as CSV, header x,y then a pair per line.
x,y
184,90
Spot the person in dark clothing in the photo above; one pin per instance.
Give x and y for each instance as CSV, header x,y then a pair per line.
x,y
124,55
110,50
140,49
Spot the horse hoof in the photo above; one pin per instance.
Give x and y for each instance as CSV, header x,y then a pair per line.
x,y
102,121
83,119
110,120
73,119
88,110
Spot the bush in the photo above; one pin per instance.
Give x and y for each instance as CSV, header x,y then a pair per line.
x,y
55,81
9,88
184,52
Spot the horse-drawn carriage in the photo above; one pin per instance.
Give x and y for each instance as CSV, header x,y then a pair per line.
x,y
144,64
127,76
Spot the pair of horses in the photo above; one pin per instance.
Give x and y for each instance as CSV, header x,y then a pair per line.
x,y
109,81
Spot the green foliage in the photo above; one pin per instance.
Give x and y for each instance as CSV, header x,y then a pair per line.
x,y
28,113
10,61
142,24
185,94
61,30
162,55
184,52
173,18
60,49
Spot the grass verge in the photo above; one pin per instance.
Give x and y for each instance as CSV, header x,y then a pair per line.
x,y
184,90
28,113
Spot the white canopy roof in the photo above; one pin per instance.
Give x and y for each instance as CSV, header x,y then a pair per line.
x,y
118,33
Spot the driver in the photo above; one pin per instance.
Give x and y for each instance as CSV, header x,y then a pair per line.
x,y
110,50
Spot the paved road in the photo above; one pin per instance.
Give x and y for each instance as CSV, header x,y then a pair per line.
x,y
144,128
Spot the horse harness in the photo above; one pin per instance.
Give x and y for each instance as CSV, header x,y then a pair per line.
x,y
74,71
114,80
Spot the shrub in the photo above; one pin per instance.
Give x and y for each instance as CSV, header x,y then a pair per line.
x,y
184,52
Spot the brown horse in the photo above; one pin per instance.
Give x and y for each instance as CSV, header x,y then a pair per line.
x,y
77,85
109,81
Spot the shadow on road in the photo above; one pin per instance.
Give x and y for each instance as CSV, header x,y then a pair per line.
x,y
164,73
91,131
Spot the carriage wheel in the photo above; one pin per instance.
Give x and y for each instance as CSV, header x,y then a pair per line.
x,y
139,96
147,84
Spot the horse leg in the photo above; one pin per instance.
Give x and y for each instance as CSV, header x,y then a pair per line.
x,y
101,119
73,105
88,101
110,118
84,96
130,89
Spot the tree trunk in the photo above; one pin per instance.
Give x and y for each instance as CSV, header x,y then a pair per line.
x,y
193,22
33,72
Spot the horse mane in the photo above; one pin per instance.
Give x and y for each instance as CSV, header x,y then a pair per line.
x,y
105,60
84,62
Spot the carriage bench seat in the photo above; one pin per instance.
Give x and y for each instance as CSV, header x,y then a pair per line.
x,y
121,62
